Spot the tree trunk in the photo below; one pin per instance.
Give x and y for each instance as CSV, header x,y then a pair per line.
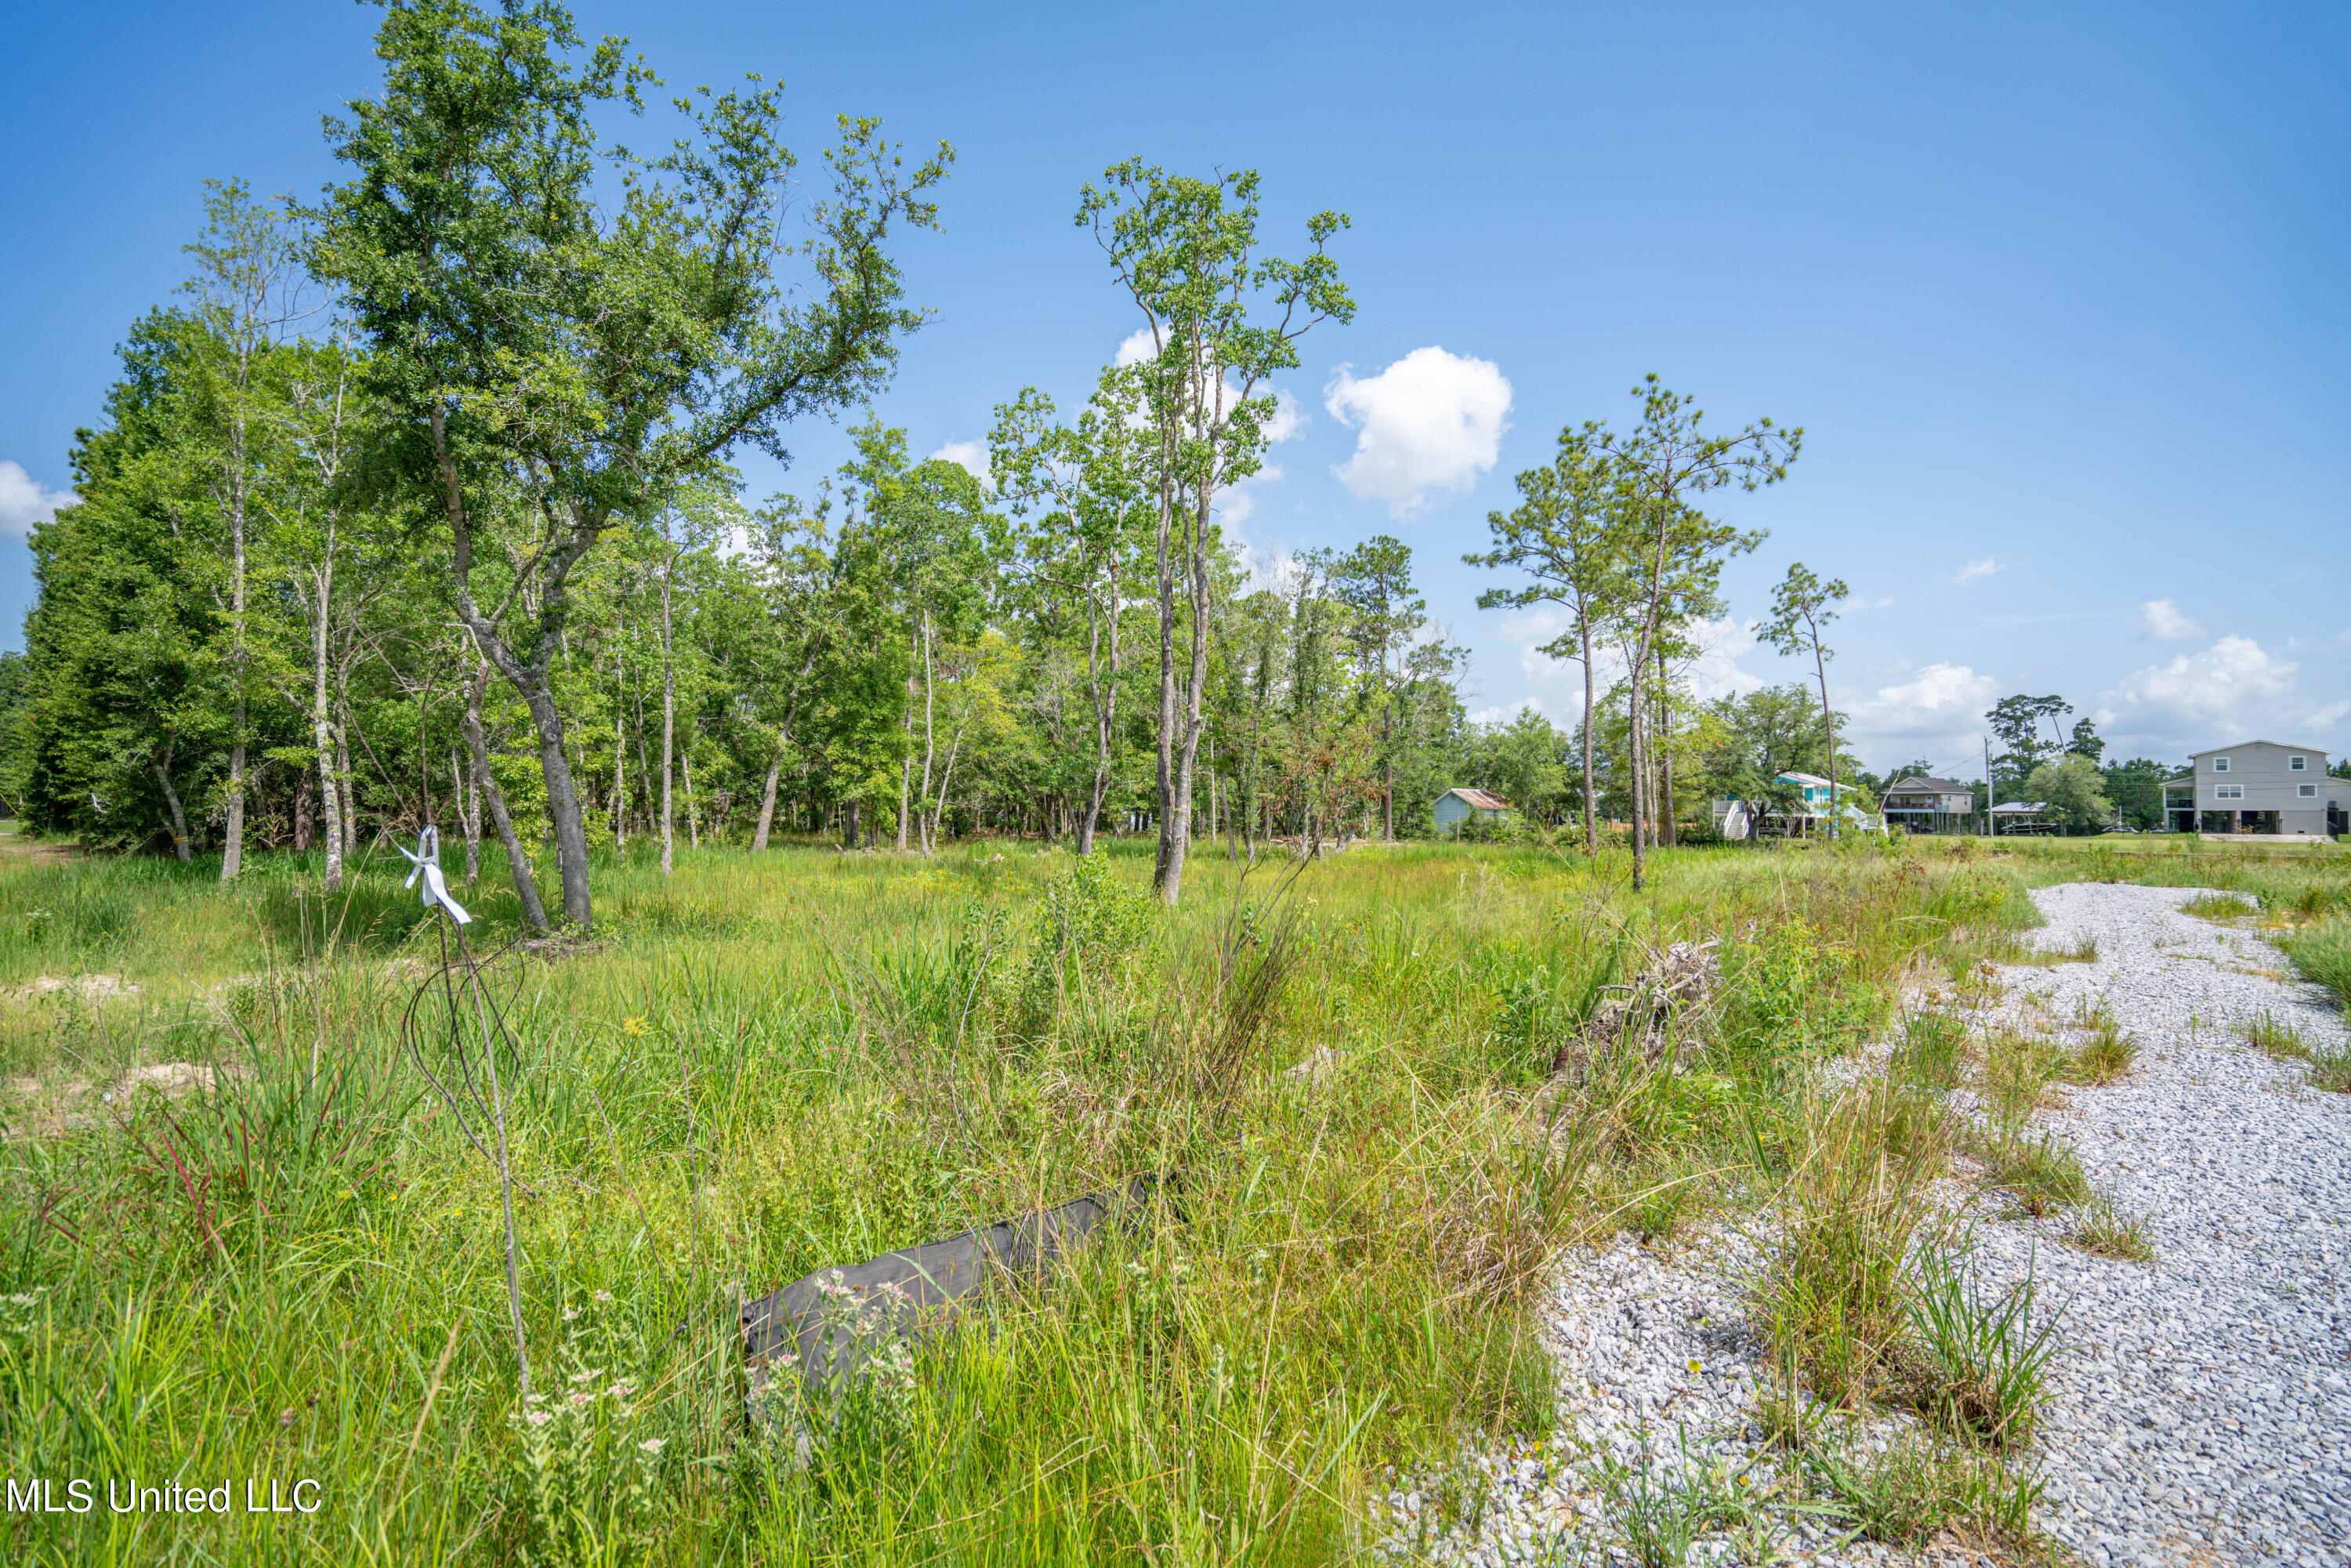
x,y
669,711
517,860
162,767
1665,752
906,725
233,848
322,737
1591,830
305,811
1828,727
693,829
1637,764
767,800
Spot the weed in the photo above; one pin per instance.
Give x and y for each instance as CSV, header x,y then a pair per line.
x,y
1914,1489
1832,1291
1933,1050
2017,1071
2040,1173
1979,1362
2218,906
2323,953
2273,1036
2102,1232
2107,1055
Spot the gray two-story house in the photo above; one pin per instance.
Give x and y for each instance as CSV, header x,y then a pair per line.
x,y
1929,805
2258,787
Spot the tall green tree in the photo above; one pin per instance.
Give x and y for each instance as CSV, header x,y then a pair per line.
x,y
584,359
1094,487
1568,537
1800,606
1661,470
247,284
1374,581
1223,320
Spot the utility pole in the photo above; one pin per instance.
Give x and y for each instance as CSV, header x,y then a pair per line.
x,y
1987,794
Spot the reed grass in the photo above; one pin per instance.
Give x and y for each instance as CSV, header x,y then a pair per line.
x,y
768,1065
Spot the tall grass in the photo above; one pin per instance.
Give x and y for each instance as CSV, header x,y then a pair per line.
x,y
768,1066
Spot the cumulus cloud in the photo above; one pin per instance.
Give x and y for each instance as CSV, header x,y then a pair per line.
x,y
2233,690
1714,671
1942,706
1429,424
2162,618
1976,569
1288,415
24,503
968,456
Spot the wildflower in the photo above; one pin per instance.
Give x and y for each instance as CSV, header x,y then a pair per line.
x,y
603,1295
622,1390
539,1417
653,1444
588,1376
635,1026
1695,1368
570,1313
577,1400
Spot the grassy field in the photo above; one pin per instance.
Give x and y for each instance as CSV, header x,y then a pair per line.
x,y
767,1066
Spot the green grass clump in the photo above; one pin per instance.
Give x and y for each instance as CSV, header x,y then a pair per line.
x,y
2281,1040
2103,1233
2040,1173
2218,906
1978,1364
1918,1490
2106,1055
2323,953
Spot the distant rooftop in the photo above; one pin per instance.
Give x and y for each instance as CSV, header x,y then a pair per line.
x,y
1482,799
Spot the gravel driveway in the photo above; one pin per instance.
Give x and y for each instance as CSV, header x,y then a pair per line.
x,y
2201,1407
2204,1411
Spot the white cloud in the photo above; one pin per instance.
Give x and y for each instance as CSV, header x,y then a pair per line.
x,y
1942,706
2162,618
1714,671
1976,569
25,504
1431,422
968,456
1136,348
2233,690
1289,415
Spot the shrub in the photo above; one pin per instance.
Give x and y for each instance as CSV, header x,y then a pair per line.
x,y
2323,954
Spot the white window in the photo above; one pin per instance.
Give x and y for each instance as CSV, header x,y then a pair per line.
x,y
2295,764
2228,792
2307,791
2219,765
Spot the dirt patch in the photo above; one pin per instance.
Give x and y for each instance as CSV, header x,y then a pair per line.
x,y
78,988
52,1110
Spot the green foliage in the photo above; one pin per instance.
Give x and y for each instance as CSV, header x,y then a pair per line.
x,y
2073,792
2323,954
1980,1362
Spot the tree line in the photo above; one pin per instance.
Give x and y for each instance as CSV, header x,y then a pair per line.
x,y
419,505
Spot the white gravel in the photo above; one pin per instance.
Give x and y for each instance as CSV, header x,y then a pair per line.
x,y
2202,1404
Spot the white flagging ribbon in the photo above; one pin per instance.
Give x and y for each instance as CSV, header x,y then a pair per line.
x,y
426,863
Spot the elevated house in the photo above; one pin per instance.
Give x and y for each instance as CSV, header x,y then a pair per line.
x,y
2258,787
1458,806
1802,805
1929,805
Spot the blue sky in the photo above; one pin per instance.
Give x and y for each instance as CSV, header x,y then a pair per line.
x,y
2056,292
